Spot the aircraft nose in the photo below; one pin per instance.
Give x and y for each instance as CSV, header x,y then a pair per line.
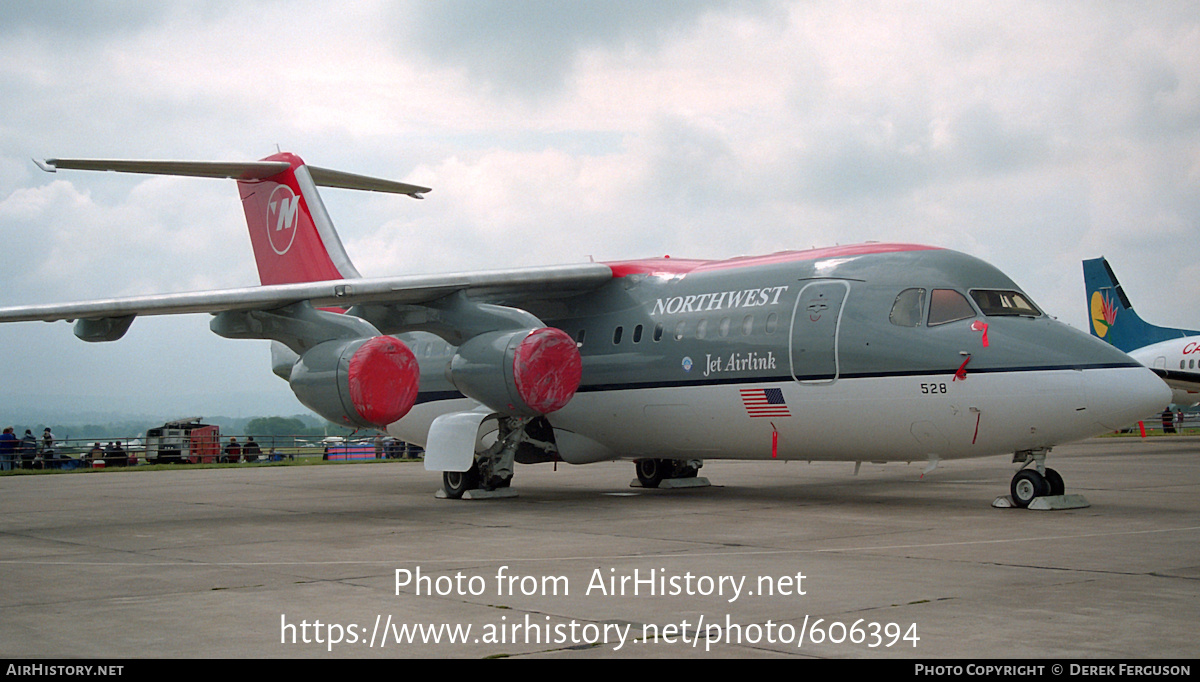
x,y
1118,397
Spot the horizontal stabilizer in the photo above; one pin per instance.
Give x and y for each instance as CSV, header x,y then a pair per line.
x,y
235,170
324,177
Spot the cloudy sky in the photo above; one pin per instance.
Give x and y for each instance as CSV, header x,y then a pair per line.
x,y
1032,135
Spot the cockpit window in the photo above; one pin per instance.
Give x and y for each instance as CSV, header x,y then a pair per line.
x,y
906,311
998,302
947,305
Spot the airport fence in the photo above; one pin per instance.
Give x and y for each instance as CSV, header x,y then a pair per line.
x,y
74,453
1168,423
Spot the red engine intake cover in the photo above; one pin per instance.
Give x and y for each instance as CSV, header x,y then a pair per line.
x,y
547,369
383,379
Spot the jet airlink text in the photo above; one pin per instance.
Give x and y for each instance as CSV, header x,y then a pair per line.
x,y
738,362
719,300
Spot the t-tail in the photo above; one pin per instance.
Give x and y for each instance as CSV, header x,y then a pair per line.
x,y
1112,316
292,235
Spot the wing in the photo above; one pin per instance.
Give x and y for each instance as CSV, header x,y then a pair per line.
x,y
513,285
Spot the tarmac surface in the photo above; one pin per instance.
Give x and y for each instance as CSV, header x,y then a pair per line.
x,y
253,561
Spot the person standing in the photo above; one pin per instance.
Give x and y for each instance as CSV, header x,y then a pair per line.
x,y
29,448
8,449
48,454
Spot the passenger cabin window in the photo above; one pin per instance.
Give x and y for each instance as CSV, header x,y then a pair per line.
x,y
617,336
998,302
947,305
637,334
906,311
658,332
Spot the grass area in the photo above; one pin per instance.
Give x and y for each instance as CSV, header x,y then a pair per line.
x,y
1151,433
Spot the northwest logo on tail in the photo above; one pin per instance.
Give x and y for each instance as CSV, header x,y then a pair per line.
x,y
1104,313
282,209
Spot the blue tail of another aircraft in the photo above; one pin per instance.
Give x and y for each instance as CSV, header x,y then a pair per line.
x,y
1111,313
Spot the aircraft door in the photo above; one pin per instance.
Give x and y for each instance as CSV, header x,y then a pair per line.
x,y
816,322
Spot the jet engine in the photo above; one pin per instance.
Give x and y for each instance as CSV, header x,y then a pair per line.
x,y
524,373
363,382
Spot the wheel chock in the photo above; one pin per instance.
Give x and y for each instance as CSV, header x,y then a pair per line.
x,y
694,482
1051,502
480,494
1046,503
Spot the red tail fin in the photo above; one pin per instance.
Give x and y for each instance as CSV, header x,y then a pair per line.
x,y
293,238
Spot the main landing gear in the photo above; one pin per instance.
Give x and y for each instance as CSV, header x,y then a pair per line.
x,y
1039,486
456,483
669,473
520,440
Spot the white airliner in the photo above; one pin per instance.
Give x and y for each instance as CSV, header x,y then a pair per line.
x,y
1173,354
873,352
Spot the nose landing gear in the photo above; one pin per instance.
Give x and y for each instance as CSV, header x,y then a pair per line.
x,y
1038,487
1026,485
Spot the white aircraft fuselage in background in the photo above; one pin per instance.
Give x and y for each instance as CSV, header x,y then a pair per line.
x,y
1172,354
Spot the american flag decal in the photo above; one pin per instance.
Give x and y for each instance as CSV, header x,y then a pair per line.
x,y
764,402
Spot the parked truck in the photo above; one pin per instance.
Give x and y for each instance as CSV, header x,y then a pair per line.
x,y
184,441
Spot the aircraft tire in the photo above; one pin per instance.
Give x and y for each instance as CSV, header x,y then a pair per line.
x,y
455,483
1055,481
651,472
1026,485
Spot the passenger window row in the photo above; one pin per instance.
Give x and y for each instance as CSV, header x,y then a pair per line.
x,y
702,330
